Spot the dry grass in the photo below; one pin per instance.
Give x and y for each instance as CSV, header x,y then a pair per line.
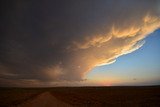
x,y
15,96
110,96
88,96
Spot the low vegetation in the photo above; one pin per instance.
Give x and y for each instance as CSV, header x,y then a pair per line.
x,y
87,96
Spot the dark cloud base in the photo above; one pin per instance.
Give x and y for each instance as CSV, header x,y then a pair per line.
x,y
51,40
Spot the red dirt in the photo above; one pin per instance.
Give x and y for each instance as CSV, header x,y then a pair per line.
x,y
44,100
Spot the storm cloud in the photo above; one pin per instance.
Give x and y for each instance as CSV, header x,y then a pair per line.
x,y
61,40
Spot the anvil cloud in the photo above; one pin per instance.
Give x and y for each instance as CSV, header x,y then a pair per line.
x,y
56,41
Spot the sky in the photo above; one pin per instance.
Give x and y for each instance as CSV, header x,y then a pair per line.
x,y
141,67
79,43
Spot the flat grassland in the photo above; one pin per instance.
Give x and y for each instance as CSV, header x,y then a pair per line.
x,y
138,96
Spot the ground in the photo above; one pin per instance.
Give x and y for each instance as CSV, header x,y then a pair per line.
x,y
144,96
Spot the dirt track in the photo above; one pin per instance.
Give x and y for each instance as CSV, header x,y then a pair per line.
x,y
44,100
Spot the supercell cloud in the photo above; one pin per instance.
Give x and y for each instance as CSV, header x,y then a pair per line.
x,y
51,41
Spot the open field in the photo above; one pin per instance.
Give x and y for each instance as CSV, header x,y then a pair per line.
x,y
147,96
